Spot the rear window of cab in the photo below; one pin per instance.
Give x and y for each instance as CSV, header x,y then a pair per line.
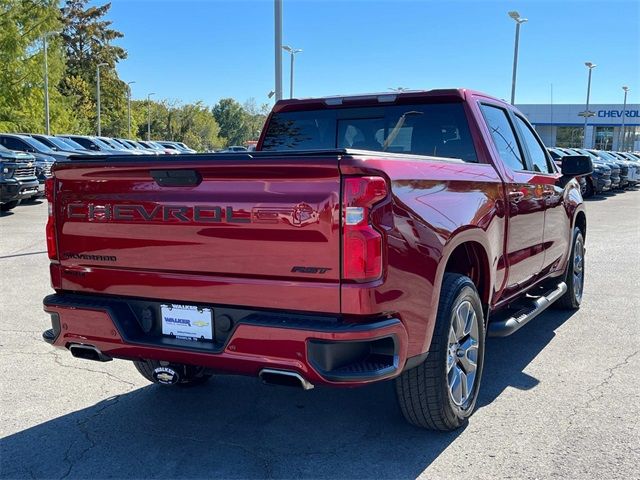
x,y
439,130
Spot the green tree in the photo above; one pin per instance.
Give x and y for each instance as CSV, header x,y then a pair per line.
x,y
192,123
88,40
255,116
232,119
22,26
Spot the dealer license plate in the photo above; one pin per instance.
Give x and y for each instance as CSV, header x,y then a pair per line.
x,y
187,322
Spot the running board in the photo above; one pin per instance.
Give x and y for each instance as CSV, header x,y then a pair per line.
x,y
504,328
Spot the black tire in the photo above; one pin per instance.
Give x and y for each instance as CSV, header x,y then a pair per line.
x,y
423,391
574,276
190,376
5,207
589,190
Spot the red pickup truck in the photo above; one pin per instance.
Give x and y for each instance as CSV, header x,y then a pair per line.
x,y
368,238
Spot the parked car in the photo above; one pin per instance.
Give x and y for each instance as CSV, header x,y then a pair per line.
x,y
178,146
627,169
324,265
18,179
234,148
134,144
598,181
44,157
556,155
96,145
616,178
115,144
59,145
158,147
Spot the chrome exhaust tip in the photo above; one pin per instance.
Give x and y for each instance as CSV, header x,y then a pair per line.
x,y
284,378
88,352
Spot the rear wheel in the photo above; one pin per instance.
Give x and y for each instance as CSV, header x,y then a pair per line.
x,y
165,373
441,392
5,207
574,277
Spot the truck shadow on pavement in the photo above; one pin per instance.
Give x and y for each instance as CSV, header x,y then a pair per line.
x,y
235,427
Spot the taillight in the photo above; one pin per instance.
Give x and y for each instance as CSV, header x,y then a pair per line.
x,y
52,248
362,244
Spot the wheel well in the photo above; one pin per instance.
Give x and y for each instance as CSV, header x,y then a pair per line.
x,y
470,259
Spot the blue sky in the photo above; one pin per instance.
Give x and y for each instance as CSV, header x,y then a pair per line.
x,y
206,50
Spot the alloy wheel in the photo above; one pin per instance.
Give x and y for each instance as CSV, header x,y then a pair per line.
x,y
462,355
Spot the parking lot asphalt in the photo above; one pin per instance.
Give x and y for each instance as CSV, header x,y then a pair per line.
x,y
560,398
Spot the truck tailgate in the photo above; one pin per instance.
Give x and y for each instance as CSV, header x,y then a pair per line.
x,y
245,231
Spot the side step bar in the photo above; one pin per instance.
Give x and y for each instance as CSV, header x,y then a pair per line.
x,y
504,328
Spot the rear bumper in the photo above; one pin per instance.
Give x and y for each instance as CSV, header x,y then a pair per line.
x,y
323,349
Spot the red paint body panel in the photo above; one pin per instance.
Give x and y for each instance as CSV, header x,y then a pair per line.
x,y
255,229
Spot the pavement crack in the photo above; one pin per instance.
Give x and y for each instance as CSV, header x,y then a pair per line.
x,y
593,396
58,361
81,425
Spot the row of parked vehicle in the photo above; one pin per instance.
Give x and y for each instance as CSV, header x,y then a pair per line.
x,y
26,159
611,170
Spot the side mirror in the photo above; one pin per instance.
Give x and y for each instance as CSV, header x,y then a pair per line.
x,y
576,165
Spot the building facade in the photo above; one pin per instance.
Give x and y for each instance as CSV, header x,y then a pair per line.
x,y
563,126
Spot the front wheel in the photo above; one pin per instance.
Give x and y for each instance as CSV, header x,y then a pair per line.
x,y
5,207
441,392
574,277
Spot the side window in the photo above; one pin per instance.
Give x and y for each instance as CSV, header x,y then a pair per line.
x,y
503,136
536,151
14,144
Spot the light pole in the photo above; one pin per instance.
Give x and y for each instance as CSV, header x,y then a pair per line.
x,y
98,93
129,106
149,116
586,112
519,21
293,52
46,81
624,112
277,21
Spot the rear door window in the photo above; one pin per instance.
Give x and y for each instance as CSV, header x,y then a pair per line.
x,y
540,162
504,138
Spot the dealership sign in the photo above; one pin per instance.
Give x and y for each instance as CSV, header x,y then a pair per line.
x,y
618,113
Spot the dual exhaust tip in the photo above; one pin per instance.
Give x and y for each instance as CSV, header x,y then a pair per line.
x,y
88,352
269,376
284,378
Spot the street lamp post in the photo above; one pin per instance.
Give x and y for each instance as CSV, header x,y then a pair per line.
x,y
293,52
277,26
624,112
149,116
98,93
46,81
129,106
586,112
519,21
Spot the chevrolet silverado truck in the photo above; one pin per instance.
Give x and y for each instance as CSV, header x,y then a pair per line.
x,y
367,238
18,179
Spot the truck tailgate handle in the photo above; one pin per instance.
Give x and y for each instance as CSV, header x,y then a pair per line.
x,y
176,178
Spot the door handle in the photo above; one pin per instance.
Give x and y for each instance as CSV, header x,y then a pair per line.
x,y
516,196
